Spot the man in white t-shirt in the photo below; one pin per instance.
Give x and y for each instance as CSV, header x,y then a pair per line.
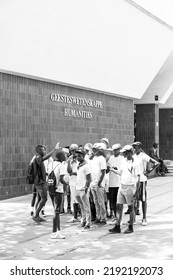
x,y
98,171
143,159
114,163
82,188
130,176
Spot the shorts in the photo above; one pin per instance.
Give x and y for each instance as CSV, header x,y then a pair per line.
x,y
126,194
58,197
142,195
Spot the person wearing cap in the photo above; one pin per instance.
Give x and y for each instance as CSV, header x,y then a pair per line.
x,y
113,163
72,164
105,141
153,153
82,188
98,171
143,159
129,184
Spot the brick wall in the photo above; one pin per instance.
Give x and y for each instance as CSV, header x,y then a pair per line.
x,y
28,117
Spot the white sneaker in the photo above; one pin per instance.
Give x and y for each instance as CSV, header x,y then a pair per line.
x,y
144,222
72,220
57,235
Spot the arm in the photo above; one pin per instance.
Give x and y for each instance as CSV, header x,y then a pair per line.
x,y
88,181
62,180
103,172
116,171
51,152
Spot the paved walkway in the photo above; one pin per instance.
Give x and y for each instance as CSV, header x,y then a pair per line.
x,y
22,239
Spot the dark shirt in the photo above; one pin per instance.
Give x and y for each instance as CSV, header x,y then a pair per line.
x,y
40,171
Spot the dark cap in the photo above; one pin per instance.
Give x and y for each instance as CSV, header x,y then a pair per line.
x,y
81,151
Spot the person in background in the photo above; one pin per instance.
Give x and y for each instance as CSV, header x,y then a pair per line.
x,y
105,141
130,177
114,163
153,153
143,159
82,188
98,171
60,170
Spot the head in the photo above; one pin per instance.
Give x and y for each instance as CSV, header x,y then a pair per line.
x,y
105,141
127,151
66,151
137,147
116,149
88,148
80,155
60,156
155,145
73,148
98,149
41,150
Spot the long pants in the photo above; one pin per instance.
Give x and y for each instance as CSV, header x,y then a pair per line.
x,y
83,200
113,199
99,201
42,191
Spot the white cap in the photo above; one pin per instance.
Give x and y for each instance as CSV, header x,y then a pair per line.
x,y
65,150
116,146
73,147
127,148
99,146
88,146
105,140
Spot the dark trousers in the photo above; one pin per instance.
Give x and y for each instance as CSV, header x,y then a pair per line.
x,y
42,192
113,199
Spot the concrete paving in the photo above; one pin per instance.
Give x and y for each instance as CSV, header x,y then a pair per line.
x,y
22,239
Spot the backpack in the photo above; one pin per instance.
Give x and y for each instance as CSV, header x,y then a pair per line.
x,y
31,172
51,181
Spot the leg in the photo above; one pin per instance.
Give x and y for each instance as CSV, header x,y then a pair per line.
x,y
95,198
42,189
101,201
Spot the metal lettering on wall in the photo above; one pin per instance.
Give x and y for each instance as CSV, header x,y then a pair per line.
x,y
56,97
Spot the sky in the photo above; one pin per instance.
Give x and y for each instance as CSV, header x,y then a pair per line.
x,y
105,45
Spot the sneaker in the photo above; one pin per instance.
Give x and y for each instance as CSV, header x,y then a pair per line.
x,y
102,223
87,227
97,221
42,213
127,212
57,235
115,229
36,219
41,219
128,230
144,222
72,220
137,212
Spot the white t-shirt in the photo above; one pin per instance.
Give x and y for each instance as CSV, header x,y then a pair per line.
x,y
72,178
130,169
81,176
60,168
114,179
98,163
143,160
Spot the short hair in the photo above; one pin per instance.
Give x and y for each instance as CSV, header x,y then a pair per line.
x,y
40,146
60,155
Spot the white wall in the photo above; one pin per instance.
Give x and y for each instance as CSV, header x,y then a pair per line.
x,y
101,44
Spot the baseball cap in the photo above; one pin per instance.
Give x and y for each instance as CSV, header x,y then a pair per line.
x,y
116,146
65,150
137,144
99,146
73,147
88,146
127,148
105,140
81,151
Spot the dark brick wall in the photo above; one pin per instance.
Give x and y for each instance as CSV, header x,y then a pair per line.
x,y
28,117
147,115
166,133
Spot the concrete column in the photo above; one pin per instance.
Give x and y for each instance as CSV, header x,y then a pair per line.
x,y
147,125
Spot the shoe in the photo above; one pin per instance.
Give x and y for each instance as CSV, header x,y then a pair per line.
x,y
133,222
102,223
72,220
87,227
127,212
115,229
137,212
41,219
128,230
144,222
97,221
36,219
42,213
83,224
93,219
57,235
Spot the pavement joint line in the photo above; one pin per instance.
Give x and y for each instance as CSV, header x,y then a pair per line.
x,y
160,194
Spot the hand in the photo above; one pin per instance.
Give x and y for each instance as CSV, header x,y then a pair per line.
x,y
99,185
57,146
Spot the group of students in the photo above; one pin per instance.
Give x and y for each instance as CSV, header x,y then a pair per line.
x,y
93,175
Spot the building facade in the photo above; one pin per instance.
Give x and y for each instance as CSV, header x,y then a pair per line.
x,y
35,111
